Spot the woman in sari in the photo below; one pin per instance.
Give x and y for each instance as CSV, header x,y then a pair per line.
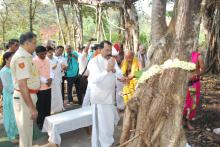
x,y
193,90
8,89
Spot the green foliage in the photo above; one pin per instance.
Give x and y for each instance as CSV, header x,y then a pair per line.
x,y
169,14
89,12
18,18
144,28
138,74
144,38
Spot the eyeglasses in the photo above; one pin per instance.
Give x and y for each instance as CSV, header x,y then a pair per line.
x,y
16,44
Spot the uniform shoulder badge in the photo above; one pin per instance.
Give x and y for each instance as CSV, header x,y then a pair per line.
x,y
21,65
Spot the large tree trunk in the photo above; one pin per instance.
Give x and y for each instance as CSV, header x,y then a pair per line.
x,y
211,21
153,116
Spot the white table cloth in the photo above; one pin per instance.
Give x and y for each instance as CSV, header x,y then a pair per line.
x,y
68,121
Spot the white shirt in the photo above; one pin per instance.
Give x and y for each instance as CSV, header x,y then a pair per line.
x,y
57,71
102,83
83,61
62,60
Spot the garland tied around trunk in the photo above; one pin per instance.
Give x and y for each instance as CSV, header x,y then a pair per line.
x,y
128,91
170,63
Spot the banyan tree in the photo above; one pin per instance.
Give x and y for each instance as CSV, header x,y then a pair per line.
x,y
128,23
153,116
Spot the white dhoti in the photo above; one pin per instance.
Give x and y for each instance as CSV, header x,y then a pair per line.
x,y
119,99
105,117
56,97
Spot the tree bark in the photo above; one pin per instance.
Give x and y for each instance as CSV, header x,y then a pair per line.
x,y
59,23
154,114
122,24
79,23
135,30
30,15
67,23
32,10
3,33
131,27
211,20
99,31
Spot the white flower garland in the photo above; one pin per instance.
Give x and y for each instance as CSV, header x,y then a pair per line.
x,y
157,69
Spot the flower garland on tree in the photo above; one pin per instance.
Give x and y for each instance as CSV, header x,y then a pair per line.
x,y
155,70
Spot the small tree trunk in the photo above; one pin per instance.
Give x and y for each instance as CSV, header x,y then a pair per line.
x,y
99,31
131,27
79,23
3,32
59,23
135,30
67,24
30,15
122,24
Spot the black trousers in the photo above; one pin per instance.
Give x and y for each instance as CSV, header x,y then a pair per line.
x,y
43,106
63,88
83,82
70,82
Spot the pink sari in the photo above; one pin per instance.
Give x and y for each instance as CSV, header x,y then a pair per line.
x,y
192,94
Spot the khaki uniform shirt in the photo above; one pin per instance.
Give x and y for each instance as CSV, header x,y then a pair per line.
x,y
22,67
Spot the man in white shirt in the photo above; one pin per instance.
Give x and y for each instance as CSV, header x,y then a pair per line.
x,y
103,72
62,60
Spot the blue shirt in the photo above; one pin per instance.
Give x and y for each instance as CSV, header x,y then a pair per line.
x,y
73,65
90,55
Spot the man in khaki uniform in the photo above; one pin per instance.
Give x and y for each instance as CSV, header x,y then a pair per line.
x,y
26,83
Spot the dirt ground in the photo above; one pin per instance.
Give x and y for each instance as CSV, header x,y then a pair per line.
x,y
208,115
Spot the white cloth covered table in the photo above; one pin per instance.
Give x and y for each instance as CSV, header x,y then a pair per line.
x,y
68,121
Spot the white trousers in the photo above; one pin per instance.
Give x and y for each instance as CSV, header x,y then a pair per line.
x,y
23,119
105,117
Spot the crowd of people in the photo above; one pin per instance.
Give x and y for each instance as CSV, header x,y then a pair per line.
x,y
104,75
